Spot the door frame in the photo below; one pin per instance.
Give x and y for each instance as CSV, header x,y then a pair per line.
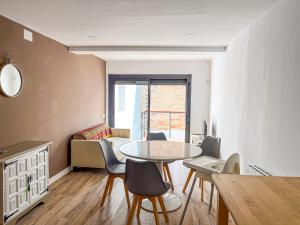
x,y
167,78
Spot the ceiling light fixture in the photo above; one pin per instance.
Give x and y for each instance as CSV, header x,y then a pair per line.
x,y
92,37
190,35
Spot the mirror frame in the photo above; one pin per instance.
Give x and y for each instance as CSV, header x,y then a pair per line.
x,y
21,87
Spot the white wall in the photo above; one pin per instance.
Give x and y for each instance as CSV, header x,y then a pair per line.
x,y
256,92
200,71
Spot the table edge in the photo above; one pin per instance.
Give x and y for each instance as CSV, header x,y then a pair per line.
x,y
159,159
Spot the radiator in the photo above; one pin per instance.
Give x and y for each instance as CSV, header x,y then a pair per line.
x,y
255,170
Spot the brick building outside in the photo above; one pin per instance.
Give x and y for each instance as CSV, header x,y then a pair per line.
x,y
168,103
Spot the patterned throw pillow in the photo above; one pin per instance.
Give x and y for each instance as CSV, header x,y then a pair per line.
x,y
108,132
95,133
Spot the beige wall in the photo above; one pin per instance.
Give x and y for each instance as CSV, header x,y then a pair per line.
x,y
62,93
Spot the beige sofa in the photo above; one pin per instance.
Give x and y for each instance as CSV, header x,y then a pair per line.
x,y
86,152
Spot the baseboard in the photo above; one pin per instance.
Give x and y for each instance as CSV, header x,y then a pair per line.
x,y
60,175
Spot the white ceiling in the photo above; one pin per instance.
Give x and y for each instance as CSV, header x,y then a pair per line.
x,y
136,22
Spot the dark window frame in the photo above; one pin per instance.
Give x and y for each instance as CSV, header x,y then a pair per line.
x,y
152,79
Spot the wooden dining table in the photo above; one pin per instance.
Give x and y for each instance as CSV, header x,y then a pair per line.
x,y
258,200
160,152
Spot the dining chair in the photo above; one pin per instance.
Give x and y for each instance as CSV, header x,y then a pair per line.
x,y
210,147
160,136
114,168
144,181
206,166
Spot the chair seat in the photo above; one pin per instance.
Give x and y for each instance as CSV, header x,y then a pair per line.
x,y
152,190
205,164
117,169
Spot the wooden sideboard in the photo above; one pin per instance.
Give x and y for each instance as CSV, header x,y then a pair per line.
x,y
24,178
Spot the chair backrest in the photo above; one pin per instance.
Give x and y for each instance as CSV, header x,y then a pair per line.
x,y
204,128
143,178
211,146
232,164
108,153
160,136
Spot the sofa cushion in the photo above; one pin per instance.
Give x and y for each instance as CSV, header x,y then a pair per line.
x,y
94,133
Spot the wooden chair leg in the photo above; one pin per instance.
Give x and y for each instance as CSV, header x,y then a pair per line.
x,y
139,207
153,200
211,196
162,205
170,177
131,213
202,188
126,192
111,186
188,180
108,183
165,173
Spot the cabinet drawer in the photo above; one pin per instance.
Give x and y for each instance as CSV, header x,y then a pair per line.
x,y
42,172
23,182
13,170
34,160
42,156
34,174
34,190
23,199
13,187
23,165
12,205
42,185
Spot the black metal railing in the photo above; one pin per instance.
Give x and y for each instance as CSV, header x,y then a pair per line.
x,y
144,121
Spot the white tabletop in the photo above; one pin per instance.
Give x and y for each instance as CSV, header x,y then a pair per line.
x,y
160,150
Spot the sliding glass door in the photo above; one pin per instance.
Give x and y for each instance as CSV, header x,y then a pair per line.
x,y
151,103
130,103
168,109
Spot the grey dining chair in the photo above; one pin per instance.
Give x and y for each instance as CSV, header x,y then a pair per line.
x,y
144,181
114,168
210,147
160,136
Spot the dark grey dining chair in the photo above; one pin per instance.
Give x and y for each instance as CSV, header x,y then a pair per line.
x,y
160,136
114,168
144,181
210,147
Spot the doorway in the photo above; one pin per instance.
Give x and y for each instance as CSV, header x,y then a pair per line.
x,y
151,103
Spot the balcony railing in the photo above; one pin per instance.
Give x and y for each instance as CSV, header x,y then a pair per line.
x,y
164,123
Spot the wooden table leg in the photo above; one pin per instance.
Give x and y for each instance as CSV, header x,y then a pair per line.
x,y
222,212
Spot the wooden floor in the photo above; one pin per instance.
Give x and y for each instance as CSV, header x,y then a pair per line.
x,y
75,200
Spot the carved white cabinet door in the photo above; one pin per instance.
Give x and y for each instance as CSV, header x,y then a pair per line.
x,y
12,188
24,171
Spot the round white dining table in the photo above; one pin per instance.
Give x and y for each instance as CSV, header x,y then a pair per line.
x,y
159,152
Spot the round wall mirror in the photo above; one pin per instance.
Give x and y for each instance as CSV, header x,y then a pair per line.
x,y
10,80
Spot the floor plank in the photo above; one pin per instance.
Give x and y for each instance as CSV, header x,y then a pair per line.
x,y
75,200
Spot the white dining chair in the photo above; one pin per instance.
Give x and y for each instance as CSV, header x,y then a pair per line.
x,y
205,166
210,147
